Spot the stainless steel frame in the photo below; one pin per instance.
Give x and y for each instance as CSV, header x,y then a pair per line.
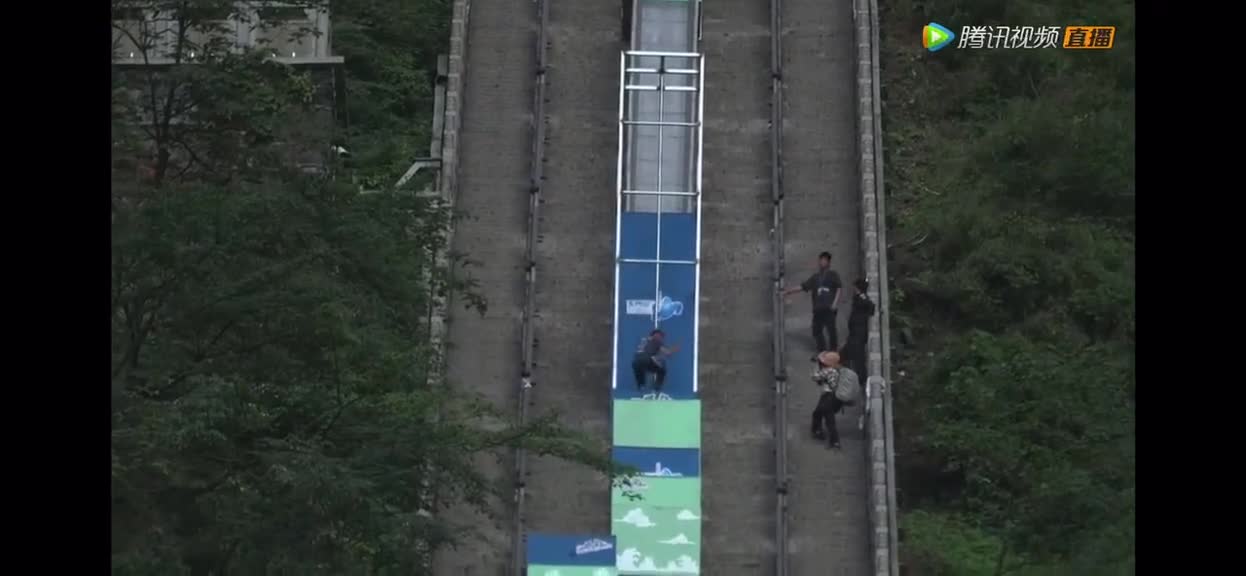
x,y
633,82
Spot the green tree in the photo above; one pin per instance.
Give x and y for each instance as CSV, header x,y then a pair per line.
x,y
271,407
196,109
391,49
1013,258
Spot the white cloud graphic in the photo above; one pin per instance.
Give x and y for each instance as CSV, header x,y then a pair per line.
x,y
687,515
684,565
636,517
631,560
680,540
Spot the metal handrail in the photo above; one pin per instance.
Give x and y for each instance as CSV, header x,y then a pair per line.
x,y
777,242
525,383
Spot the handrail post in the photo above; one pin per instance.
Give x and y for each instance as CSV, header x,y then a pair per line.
x,y
527,344
777,255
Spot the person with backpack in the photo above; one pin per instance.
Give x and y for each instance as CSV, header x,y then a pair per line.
x,y
825,289
839,386
854,351
651,357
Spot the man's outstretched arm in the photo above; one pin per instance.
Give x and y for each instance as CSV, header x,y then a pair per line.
x,y
805,286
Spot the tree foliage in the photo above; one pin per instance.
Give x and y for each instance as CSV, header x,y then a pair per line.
x,y
1012,244
391,49
272,411
197,110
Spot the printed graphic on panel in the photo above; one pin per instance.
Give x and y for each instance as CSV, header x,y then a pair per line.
x,y
660,462
657,423
657,514
660,531
661,308
571,555
540,570
659,493
657,540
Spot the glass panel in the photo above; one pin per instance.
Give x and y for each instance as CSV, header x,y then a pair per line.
x,y
660,158
210,35
665,26
128,30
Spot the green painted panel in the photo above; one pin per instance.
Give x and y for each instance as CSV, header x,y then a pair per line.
x,y
659,492
659,533
657,539
657,423
542,570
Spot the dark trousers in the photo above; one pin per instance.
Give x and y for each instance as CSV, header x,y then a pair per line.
x,y
828,405
642,365
854,356
824,336
627,21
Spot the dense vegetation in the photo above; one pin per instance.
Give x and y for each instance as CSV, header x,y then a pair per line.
x,y
271,410
1011,223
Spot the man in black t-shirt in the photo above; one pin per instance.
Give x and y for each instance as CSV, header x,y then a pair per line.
x,y
825,288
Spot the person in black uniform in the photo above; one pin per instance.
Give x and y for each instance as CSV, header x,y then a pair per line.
x,y
627,22
855,348
825,289
651,357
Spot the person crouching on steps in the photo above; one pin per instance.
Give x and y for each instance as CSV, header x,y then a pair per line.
x,y
651,357
826,376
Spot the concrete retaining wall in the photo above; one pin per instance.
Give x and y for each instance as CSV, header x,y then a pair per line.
x,y
881,450
448,178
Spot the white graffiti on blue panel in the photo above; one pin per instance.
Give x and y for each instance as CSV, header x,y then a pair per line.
x,y
666,308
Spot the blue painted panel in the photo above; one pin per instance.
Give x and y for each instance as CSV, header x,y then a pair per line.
x,y
678,283
639,234
571,549
679,237
675,306
661,462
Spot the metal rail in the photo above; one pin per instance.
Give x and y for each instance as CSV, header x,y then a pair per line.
x,y
696,295
777,309
656,123
657,193
685,71
518,565
659,54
